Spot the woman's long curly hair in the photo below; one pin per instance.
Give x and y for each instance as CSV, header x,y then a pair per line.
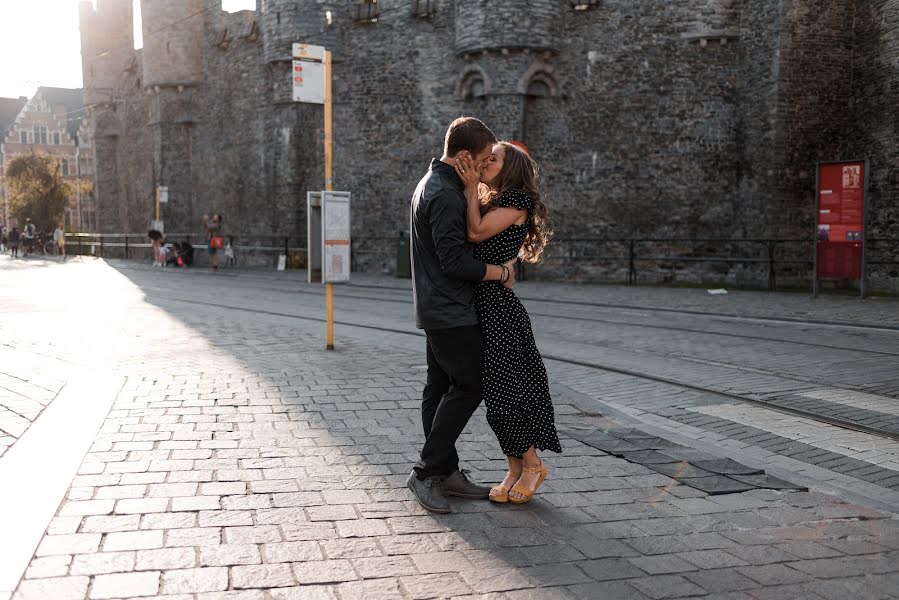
x,y
519,172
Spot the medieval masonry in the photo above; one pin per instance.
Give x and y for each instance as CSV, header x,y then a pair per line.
x,y
679,120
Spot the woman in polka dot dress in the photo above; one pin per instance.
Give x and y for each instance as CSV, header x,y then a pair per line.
x,y
506,217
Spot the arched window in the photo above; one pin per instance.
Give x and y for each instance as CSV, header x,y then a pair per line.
x,y
475,88
539,88
539,82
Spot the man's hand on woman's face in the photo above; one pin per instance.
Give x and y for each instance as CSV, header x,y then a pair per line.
x,y
468,171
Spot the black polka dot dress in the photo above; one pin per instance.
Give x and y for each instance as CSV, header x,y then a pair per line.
x,y
516,391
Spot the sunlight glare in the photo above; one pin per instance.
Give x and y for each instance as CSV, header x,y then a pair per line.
x,y
238,5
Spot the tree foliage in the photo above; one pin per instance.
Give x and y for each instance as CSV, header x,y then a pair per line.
x,y
36,190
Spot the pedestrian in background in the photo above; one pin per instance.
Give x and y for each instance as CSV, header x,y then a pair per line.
x,y
214,237
59,238
29,234
14,239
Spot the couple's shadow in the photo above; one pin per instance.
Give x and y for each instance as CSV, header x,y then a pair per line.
x,y
343,432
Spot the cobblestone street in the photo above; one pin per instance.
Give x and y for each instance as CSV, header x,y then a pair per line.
x,y
192,439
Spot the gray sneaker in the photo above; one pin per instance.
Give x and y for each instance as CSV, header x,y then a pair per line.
x,y
458,484
429,493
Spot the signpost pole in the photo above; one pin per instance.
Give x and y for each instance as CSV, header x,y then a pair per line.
x,y
157,202
864,234
815,237
329,186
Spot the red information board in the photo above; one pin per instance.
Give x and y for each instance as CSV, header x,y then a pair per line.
x,y
840,220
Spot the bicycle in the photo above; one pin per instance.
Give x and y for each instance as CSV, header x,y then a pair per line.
x,y
48,246
30,245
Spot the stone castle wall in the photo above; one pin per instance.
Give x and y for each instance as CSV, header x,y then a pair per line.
x,y
683,119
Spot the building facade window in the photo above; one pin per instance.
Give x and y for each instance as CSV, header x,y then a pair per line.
x,y
23,137
65,167
56,138
40,134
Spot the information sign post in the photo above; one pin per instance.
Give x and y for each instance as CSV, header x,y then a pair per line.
x,y
841,194
162,197
328,211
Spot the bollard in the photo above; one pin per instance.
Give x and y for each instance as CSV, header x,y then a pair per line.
x,y
631,264
403,257
772,277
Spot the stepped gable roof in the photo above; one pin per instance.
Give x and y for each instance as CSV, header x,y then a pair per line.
x,y
72,99
9,110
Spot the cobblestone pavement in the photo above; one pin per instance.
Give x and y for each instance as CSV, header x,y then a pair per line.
x,y
25,390
242,461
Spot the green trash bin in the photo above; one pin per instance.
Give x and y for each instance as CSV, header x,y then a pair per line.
x,y
403,257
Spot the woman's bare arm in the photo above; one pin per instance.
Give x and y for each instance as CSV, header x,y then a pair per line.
x,y
483,227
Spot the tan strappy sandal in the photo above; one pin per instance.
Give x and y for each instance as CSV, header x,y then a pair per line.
x,y
500,493
524,491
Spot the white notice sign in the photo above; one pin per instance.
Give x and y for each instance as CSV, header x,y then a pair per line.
x,y
308,82
335,236
163,194
336,263
337,221
308,73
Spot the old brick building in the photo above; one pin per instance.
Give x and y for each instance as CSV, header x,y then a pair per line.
x,y
52,122
688,119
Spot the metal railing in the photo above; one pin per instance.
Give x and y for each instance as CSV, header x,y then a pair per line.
x,y
765,252
98,244
628,254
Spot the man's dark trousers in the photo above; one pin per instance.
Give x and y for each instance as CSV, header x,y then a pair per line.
x,y
451,395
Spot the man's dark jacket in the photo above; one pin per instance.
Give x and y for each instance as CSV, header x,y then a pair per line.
x,y
443,268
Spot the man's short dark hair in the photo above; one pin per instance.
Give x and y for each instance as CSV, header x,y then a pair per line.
x,y
467,133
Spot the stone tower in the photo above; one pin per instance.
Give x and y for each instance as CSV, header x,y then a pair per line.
x,y
173,73
107,43
508,46
293,162
107,51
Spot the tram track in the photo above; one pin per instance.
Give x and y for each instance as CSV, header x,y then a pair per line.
x,y
290,287
607,321
792,411
701,313
646,325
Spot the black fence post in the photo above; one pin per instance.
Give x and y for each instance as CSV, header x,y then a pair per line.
x,y
772,278
126,248
101,246
631,264
286,251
